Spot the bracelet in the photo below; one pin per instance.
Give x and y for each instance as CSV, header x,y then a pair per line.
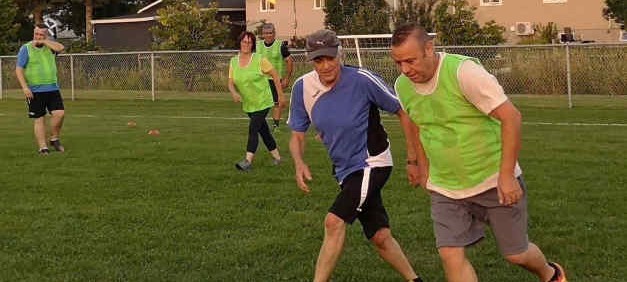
x,y
412,162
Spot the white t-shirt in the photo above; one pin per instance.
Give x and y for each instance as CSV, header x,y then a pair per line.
x,y
478,86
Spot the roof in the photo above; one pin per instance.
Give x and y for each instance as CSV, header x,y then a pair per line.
x,y
223,5
148,13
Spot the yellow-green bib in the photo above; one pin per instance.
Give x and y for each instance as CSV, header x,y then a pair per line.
x,y
252,84
41,68
463,144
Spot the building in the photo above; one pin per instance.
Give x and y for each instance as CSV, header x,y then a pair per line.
x,y
132,32
581,20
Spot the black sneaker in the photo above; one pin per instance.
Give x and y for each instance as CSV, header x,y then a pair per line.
x,y
56,144
244,165
43,151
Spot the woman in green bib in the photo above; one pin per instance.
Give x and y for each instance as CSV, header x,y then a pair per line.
x,y
248,84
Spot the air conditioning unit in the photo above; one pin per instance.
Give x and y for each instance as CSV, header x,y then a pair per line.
x,y
524,28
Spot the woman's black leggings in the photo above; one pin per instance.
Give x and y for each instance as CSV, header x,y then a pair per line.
x,y
259,126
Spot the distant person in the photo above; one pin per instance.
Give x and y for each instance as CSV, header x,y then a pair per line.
x,y
277,53
248,84
469,140
343,103
36,71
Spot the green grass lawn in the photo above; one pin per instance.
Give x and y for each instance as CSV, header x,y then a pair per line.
x,y
121,205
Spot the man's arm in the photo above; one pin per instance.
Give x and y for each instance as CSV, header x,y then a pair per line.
x,y
277,84
285,81
417,162
55,46
509,189
19,73
297,149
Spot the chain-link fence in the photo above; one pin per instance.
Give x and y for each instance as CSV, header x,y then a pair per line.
x,y
599,69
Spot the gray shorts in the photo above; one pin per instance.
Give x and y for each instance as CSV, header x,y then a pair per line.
x,y
461,223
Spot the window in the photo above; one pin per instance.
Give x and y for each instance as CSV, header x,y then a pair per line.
x,y
554,1
491,2
318,4
268,5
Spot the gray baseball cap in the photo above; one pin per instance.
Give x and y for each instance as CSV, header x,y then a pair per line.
x,y
323,42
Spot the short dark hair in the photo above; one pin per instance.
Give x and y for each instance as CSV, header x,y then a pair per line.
x,y
41,25
404,31
250,35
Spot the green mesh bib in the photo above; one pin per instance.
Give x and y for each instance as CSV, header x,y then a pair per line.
x,y
273,54
463,144
252,84
41,68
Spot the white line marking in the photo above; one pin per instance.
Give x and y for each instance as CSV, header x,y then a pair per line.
x,y
383,117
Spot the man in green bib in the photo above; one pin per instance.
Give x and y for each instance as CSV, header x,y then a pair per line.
x,y
36,71
469,139
277,53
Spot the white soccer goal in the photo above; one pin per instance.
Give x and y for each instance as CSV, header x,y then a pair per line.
x,y
359,45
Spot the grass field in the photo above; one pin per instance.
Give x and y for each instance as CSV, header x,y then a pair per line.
x,y
121,205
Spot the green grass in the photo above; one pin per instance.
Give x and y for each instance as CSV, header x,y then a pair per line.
x,y
121,205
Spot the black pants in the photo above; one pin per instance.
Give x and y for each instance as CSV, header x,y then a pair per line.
x,y
259,126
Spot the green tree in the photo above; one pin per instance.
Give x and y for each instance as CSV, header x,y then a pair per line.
x,y
183,25
455,24
416,11
371,18
617,10
357,16
8,26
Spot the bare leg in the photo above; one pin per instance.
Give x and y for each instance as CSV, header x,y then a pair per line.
x,y
456,265
40,131
534,261
391,252
334,235
56,123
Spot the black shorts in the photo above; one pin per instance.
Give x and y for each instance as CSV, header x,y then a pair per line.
x,y
371,213
42,101
275,95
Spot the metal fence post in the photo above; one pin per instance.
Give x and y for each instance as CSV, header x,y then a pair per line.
x,y
152,74
358,52
72,74
1,78
568,80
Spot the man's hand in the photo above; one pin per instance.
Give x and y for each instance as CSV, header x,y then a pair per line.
x,y
236,98
28,94
285,82
509,190
302,175
417,175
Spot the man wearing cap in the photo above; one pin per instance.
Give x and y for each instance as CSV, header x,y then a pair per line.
x,y
343,105
277,53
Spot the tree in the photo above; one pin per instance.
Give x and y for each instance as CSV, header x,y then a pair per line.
x,y
182,25
616,10
455,24
416,11
357,16
8,26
